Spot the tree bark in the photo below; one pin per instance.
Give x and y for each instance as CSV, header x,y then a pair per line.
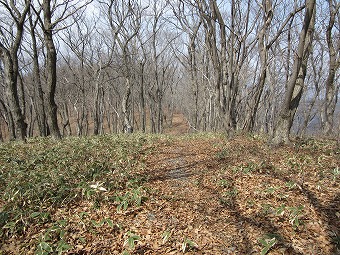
x,y
11,73
332,89
9,57
127,128
142,99
39,93
296,80
263,52
51,71
9,120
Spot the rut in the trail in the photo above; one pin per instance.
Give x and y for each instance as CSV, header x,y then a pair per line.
x,y
179,162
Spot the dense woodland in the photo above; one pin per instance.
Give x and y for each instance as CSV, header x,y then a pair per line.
x,y
93,67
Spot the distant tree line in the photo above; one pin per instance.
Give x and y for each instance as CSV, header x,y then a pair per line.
x,y
91,67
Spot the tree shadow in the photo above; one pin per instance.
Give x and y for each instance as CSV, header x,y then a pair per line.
x,y
178,168
261,223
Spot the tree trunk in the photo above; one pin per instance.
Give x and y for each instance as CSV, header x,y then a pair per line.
x,y
9,58
98,102
11,73
332,89
142,100
127,128
51,71
9,120
296,80
263,52
38,91
65,117
194,73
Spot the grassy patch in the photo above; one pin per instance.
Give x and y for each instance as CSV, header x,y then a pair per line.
x,y
44,174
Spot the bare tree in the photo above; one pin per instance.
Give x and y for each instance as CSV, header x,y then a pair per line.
x,y
9,56
39,101
9,46
191,23
60,12
314,79
332,88
125,22
295,83
51,68
79,69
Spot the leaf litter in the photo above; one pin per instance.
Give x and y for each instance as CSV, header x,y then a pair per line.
x,y
198,194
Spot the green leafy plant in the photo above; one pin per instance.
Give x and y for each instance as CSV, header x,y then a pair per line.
x,y
42,217
53,240
108,221
268,241
336,173
249,168
231,193
131,240
280,210
271,189
166,236
188,245
266,208
290,185
295,214
222,154
44,173
132,197
224,183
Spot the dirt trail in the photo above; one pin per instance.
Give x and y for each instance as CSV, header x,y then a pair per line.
x,y
179,125
187,205
196,196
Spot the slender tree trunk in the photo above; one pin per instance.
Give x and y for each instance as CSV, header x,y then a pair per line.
x,y
296,80
32,119
9,120
142,100
39,94
194,74
51,69
11,72
98,98
332,89
127,128
308,113
263,52
65,117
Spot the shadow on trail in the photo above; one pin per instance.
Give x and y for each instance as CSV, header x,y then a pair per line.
x,y
258,221
179,168
327,212
180,165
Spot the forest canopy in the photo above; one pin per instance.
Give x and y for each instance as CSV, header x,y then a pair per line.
x,y
92,67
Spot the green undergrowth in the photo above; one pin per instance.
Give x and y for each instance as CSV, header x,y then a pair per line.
x,y
44,174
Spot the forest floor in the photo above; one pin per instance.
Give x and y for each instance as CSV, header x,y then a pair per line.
x,y
168,194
